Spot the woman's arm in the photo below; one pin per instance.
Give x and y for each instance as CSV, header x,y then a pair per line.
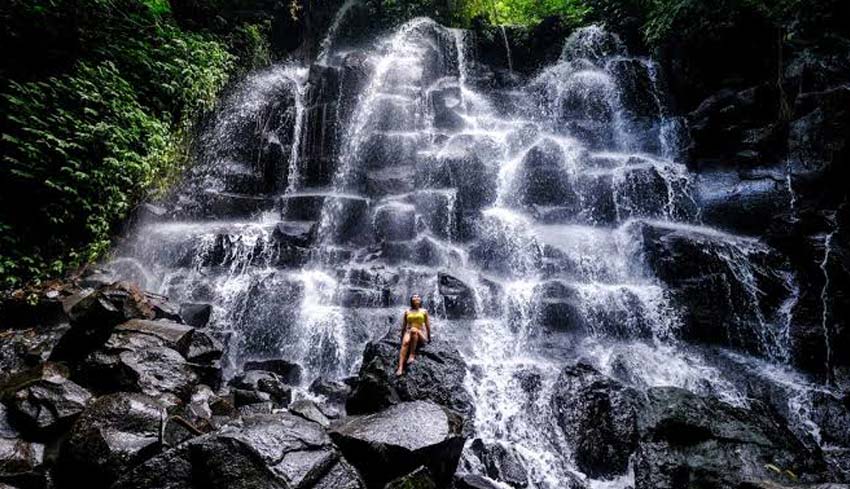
x,y
403,324
428,325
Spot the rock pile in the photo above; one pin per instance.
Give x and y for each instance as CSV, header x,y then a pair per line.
x,y
113,386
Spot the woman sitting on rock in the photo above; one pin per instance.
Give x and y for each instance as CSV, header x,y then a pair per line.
x,y
415,328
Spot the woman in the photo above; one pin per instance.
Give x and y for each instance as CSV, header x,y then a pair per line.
x,y
415,328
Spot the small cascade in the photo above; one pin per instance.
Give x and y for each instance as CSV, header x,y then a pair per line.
x,y
294,180
327,41
508,57
824,297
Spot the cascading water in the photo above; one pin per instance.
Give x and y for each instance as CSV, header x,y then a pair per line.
x,y
558,203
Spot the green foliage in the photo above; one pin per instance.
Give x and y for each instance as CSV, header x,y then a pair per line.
x,y
656,18
250,44
523,12
159,7
81,147
684,18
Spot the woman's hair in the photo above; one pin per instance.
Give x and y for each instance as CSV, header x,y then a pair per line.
x,y
414,296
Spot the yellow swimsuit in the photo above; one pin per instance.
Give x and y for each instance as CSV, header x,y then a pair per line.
x,y
415,320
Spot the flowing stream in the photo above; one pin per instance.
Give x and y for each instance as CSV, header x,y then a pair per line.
x,y
542,198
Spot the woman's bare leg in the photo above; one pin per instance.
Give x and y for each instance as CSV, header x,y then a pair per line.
x,y
414,342
402,355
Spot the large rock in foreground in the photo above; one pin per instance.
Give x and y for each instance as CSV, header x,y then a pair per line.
x,y
437,375
692,441
21,461
116,432
395,441
270,451
43,399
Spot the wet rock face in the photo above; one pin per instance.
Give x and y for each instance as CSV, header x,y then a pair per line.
x,y
458,297
401,438
690,441
289,372
195,314
544,178
271,451
501,463
437,376
729,287
43,399
115,433
26,348
135,362
599,415
23,461
737,126
257,386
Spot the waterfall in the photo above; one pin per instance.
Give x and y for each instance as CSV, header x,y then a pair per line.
x,y
824,297
327,41
559,202
507,49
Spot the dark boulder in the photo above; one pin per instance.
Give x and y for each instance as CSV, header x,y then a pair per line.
x,y
195,314
133,361
121,300
743,201
333,395
308,410
395,222
21,461
737,129
474,179
163,309
382,446
438,376
93,315
176,336
832,415
289,372
204,348
256,386
115,433
458,297
43,399
543,177
330,389
171,469
692,441
22,349
501,463
599,415
560,306
729,287
269,451
817,137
